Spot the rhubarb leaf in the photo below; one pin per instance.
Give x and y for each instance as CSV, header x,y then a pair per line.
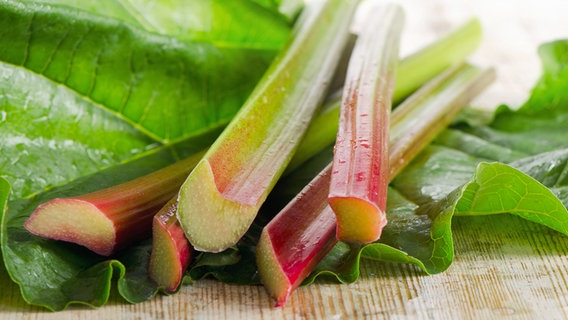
x,y
224,23
198,20
91,96
422,235
520,195
130,71
57,145
138,90
549,94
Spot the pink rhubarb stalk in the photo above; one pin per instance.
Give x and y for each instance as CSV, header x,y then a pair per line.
x,y
171,252
359,180
302,233
110,219
222,196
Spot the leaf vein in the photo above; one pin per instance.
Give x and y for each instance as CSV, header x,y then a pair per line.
x,y
73,55
95,72
53,52
131,84
29,41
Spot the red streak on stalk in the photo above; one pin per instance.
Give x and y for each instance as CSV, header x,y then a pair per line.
x,y
299,264
131,213
293,248
360,166
167,219
358,187
308,235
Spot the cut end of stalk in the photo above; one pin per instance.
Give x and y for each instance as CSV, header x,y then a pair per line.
x,y
170,255
74,221
358,220
211,222
271,274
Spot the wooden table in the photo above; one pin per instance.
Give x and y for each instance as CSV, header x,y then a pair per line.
x,y
504,267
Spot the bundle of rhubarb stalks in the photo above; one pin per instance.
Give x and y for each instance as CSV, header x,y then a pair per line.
x,y
381,115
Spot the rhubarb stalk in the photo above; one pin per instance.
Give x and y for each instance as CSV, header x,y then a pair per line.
x,y
359,179
441,100
450,50
302,233
221,197
447,52
110,219
171,252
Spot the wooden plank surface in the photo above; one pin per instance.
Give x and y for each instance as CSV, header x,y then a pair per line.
x,y
504,267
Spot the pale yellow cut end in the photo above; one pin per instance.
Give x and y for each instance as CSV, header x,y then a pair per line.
x,y
211,222
357,220
75,221
271,274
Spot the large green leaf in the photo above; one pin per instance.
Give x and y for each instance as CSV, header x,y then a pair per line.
x,y
94,93
224,23
422,235
166,88
78,75
549,94
51,135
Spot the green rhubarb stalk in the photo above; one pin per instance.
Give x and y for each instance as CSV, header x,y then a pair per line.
x,y
441,100
302,233
108,220
359,179
444,53
221,197
417,69
171,252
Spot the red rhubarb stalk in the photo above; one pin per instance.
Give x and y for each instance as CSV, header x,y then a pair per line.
x,y
302,233
222,196
171,252
296,239
359,180
110,219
